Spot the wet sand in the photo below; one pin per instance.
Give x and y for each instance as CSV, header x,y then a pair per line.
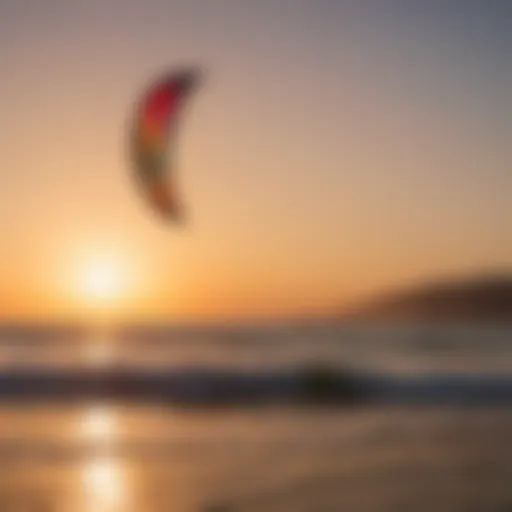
x,y
104,457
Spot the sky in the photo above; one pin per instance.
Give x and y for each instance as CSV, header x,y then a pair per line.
x,y
335,150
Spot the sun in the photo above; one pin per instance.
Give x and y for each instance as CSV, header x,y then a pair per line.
x,y
103,282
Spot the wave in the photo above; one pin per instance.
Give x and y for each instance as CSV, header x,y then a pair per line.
x,y
210,387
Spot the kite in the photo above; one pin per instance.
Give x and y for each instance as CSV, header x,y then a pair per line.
x,y
152,144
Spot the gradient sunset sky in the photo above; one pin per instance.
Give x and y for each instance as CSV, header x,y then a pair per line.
x,y
336,149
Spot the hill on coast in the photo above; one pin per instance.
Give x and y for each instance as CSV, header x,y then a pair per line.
x,y
477,299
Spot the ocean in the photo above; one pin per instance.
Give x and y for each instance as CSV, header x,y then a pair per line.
x,y
437,434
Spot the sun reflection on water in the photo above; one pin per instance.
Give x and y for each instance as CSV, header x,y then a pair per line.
x,y
99,424
102,475
104,485
99,354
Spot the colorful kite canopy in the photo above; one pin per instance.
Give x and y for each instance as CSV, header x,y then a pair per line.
x,y
152,148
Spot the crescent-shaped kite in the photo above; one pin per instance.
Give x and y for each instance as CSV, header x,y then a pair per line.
x,y
151,145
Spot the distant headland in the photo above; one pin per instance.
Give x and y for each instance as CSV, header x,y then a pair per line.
x,y
477,299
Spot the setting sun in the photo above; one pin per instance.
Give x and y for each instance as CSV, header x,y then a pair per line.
x,y
99,279
102,280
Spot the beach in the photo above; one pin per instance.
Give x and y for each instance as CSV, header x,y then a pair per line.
x,y
107,458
